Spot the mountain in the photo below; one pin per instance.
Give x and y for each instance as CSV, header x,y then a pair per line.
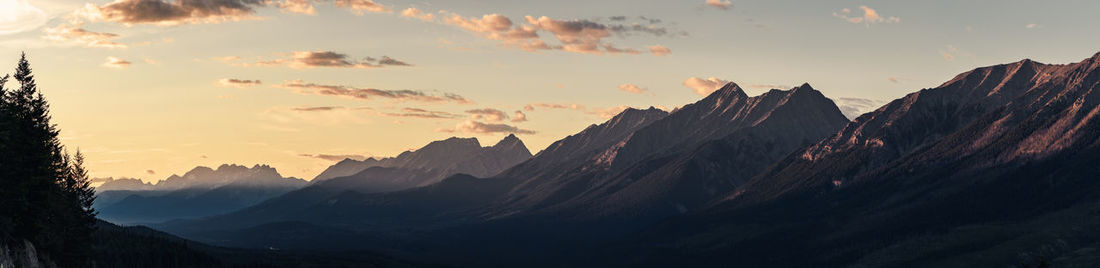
x,y
683,161
123,184
346,167
572,185
449,156
403,175
995,167
772,126
200,192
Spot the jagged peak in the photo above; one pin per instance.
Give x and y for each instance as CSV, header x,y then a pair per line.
x,y
729,89
804,87
456,140
511,139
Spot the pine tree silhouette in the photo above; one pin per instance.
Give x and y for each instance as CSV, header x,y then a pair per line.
x,y
46,198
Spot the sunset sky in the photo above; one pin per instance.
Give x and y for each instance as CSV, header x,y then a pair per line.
x,y
148,88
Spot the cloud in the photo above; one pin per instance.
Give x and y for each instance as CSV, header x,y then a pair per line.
x,y
519,116
297,6
660,50
318,59
720,4
415,13
573,106
360,6
854,107
238,83
870,16
18,16
335,157
422,113
578,36
1033,26
390,61
704,86
311,59
316,108
113,62
631,88
951,52
488,114
475,127
371,93
168,13
66,32
499,27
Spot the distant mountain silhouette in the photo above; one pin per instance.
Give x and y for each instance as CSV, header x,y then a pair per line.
x,y
426,166
450,156
198,193
123,184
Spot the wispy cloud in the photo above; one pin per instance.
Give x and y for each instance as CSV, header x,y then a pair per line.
x,y
170,13
422,113
335,157
519,116
318,59
631,88
720,4
704,86
870,16
488,114
317,108
117,63
238,83
371,93
416,13
854,107
951,53
578,35
475,127
75,33
660,50
571,106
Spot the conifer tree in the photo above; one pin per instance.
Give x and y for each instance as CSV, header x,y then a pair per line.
x,y
47,197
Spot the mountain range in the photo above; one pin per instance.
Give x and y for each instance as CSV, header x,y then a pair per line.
x,y
995,167
200,192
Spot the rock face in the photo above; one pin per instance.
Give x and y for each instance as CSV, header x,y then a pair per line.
x,y
682,161
1000,161
200,192
985,103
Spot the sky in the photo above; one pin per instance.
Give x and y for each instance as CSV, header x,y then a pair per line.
x,y
150,88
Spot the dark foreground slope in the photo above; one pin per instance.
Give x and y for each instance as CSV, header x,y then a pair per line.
x,y
995,168
117,246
